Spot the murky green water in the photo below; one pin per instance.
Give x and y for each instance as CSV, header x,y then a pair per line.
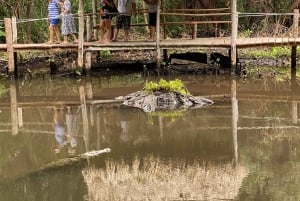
x,y
243,148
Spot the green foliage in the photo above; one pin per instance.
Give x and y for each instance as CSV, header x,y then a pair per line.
x,y
274,52
166,87
105,54
3,89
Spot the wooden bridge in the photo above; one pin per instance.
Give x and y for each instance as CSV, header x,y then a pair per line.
x,y
85,47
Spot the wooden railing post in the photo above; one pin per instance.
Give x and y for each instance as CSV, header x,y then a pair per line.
x,y
295,35
14,29
10,48
88,28
158,52
80,35
234,30
94,7
194,32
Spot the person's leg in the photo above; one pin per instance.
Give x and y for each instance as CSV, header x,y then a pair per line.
x,y
126,24
126,31
152,25
74,38
108,30
102,28
65,39
50,33
152,32
56,29
119,26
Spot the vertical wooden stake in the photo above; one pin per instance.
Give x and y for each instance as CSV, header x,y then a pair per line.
x,y
194,32
9,44
88,28
158,53
234,30
14,29
94,7
295,35
80,34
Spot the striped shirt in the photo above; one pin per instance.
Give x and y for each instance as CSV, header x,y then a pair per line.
x,y
53,10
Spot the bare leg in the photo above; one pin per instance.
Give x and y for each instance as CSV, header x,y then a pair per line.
x,y
102,29
108,30
126,31
65,39
152,32
116,35
75,38
57,33
50,34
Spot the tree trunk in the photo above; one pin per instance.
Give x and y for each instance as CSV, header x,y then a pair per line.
x,y
29,14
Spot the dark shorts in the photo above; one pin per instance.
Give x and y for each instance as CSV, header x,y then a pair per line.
x,y
54,22
123,21
152,19
105,15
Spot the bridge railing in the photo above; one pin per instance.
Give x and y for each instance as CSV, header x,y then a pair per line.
x,y
276,25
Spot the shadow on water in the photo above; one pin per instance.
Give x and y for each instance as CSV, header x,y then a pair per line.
x,y
243,147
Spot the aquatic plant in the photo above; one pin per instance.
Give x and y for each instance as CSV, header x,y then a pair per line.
x,y
166,87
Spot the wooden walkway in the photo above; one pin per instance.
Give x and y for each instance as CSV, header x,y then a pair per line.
x,y
220,42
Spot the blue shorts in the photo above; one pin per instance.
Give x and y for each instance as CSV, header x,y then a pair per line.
x,y
54,22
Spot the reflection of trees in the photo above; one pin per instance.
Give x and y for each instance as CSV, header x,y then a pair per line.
x,y
152,178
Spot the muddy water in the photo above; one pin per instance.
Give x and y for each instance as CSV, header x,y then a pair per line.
x,y
244,147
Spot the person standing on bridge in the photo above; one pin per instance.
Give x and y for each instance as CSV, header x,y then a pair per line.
x,y
107,6
152,10
126,8
53,19
68,23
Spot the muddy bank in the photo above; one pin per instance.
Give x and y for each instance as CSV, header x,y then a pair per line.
x,y
118,63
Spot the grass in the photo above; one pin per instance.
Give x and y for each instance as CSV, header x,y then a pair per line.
x,y
166,87
152,178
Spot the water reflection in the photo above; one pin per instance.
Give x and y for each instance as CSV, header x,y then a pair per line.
x,y
247,142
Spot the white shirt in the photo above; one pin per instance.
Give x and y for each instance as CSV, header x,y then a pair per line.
x,y
125,6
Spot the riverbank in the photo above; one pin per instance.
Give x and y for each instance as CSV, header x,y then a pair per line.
x,y
118,62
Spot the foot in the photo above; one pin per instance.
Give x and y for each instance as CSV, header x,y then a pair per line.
x,y
75,41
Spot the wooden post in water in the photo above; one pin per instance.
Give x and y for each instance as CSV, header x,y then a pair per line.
x,y
10,48
80,34
295,35
158,53
235,114
234,31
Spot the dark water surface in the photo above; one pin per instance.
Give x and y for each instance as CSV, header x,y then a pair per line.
x,y
243,147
